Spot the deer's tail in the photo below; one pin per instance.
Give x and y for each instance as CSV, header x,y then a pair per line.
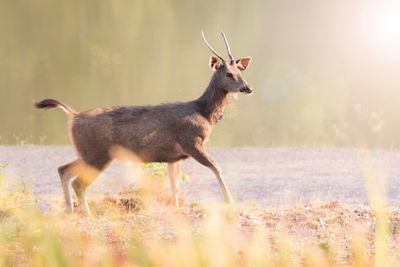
x,y
52,103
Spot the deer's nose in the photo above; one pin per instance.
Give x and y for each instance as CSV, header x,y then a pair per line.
x,y
246,89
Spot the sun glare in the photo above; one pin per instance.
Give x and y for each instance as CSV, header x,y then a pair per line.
x,y
384,23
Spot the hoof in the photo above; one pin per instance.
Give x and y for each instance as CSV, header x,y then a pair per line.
x,y
84,211
229,200
69,209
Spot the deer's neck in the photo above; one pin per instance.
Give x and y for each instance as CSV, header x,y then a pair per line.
x,y
213,102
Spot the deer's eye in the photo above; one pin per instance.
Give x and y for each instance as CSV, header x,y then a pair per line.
x,y
229,75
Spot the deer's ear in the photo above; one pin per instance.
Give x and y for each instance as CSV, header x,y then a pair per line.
x,y
214,63
243,63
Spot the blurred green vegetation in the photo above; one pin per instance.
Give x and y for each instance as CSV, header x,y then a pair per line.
x,y
318,80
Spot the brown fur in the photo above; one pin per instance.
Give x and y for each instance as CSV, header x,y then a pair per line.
x,y
164,133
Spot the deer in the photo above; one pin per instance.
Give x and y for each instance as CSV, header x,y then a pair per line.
x,y
168,133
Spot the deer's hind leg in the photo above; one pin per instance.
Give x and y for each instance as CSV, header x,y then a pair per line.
x,y
67,172
86,177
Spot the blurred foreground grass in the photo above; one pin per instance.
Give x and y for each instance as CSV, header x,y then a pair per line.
x,y
140,228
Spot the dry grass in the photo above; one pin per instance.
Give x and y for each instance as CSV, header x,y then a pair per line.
x,y
142,229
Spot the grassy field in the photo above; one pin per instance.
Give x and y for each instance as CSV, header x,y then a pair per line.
x,y
143,229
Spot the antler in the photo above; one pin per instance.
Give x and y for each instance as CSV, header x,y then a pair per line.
x,y
227,47
209,46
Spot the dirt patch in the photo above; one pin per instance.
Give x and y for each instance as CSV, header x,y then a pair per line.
x,y
332,228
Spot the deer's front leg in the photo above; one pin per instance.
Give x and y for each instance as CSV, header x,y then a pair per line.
x,y
200,154
174,174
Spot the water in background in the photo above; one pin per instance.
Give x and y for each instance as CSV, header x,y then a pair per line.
x,y
319,75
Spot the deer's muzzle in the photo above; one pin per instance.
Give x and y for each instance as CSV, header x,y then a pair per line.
x,y
246,90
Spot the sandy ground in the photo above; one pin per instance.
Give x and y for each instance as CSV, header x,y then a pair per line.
x,y
265,176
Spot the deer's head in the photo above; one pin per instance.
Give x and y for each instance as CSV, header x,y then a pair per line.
x,y
228,73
